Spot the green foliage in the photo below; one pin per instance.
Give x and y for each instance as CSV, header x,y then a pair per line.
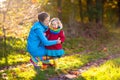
x,y
51,5
78,60
66,63
15,52
1,32
108,71
72,45
80,50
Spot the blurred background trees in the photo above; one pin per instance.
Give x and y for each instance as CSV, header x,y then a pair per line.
x,y
88,25
80,17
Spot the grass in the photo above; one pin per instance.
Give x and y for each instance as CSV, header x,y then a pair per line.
x,y
92,50
16,50
14,53
108,71
65,64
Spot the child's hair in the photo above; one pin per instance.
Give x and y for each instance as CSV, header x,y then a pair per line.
x,y
58,20
42,16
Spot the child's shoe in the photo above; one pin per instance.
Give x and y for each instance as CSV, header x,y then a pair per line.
x,y
44,58
51,61
44,66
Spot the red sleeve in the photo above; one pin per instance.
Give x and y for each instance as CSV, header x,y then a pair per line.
x,y
62,36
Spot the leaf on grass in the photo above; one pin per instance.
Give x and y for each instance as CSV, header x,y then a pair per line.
x,y
69,76
4,76
74,72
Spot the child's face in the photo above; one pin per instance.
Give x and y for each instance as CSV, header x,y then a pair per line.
x,y
54,24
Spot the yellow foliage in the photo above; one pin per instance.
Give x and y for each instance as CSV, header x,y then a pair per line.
x,y
113,6
115,2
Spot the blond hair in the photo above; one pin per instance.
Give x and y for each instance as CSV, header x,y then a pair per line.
x,y
58,20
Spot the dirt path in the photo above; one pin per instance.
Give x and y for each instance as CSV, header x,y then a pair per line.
x,y
76,73
71,74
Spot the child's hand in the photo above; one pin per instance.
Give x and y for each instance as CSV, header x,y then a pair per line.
x,y
45,34
59,41
59,38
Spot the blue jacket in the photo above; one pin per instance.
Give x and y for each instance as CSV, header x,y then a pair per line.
x,y
37,41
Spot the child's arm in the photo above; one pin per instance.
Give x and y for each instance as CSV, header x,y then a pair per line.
x,y
62,36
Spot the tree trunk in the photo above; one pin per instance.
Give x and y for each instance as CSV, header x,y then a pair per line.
x,y
119,12
4,38
59,4
99,13
72,15
81,10
4,32
89,10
